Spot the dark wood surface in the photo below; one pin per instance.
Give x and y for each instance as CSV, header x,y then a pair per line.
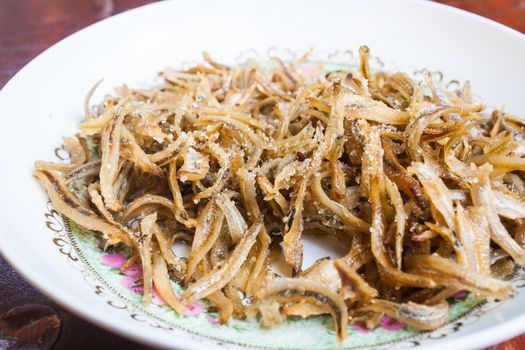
x,y
28,27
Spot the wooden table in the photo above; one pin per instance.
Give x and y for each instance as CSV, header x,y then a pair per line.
x,y
27,27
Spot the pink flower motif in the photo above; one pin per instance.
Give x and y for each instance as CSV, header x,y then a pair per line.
x,y
193,309
114,260
138,288
391,324
134,270
213,320
361,329
459,295
131,283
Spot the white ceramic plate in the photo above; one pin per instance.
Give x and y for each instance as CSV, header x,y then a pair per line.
x,y
44,101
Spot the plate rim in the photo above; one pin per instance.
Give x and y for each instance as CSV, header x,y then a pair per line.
x,y
494,334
